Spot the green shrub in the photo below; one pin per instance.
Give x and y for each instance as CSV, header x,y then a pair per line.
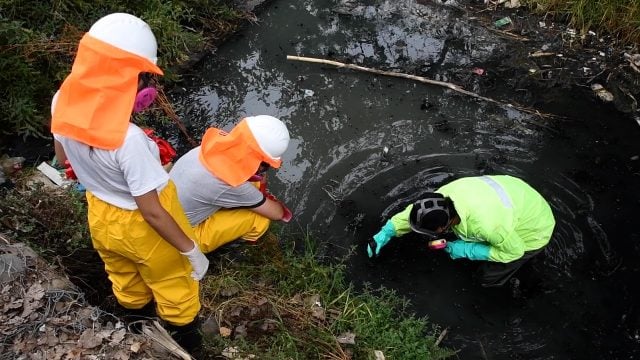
x,y
52,221
38,40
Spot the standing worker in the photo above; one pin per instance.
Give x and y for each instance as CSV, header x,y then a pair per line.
x,y
499,220
136,222
214,181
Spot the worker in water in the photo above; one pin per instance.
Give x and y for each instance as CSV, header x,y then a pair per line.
x,y
222,183
135,219
499,220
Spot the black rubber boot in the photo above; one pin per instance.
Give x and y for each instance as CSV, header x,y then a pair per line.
x,y
132,317
188,336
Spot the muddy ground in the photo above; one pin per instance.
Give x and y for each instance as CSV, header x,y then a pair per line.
x,y
548,54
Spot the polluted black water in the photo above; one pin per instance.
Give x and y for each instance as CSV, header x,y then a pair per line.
x,y
363,146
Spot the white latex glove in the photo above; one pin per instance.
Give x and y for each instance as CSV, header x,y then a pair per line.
x,y
199,262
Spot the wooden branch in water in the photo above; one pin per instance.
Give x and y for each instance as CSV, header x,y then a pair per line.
x,y
421,79
441,337
164,103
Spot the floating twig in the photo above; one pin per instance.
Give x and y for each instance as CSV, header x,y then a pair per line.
x,y
507,34
164,103
441,337
421,79
541,54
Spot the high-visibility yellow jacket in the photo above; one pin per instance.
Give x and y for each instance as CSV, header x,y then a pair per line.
x,y
502,211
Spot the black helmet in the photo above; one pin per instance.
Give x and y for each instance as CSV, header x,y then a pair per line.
x,y
429,213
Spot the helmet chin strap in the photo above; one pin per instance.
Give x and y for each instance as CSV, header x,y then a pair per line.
x,y
144,98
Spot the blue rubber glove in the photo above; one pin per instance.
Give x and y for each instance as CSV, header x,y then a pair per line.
x,y
381,239
470,250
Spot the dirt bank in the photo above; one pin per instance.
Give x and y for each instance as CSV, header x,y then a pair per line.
x,y
548,55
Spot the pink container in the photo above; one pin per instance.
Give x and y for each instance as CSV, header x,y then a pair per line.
x,y
437,244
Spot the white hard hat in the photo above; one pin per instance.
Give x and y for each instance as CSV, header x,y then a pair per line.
x,y
270,133
127,32
54,101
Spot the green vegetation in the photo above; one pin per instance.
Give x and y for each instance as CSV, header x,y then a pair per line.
x,y
38,40
283,304
52,221
619,17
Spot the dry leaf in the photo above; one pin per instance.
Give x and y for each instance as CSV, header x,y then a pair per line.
x,y
230,352
312,300
121,355
105,334
225,331
32,299
318,313
262,301
135,347
118,335
88,340
229,291
296,299
35,292
15,304
347,338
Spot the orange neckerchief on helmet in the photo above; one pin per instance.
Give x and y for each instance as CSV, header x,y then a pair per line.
x,y
96,99
235,156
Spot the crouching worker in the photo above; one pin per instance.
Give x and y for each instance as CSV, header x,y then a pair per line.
x,y
499,220
136,222
217,181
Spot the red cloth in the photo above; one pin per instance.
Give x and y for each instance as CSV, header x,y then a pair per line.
x,y
167,152
68,171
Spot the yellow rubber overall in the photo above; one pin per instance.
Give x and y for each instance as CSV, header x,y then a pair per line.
x,y
142,265
227,225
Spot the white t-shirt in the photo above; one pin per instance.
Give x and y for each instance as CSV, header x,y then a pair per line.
x,y
116,176
201,193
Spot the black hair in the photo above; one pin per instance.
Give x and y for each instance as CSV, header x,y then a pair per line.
x,y
145,79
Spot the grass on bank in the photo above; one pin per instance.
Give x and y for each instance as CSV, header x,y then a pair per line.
x,y
278,303
618,17
38,40
268,299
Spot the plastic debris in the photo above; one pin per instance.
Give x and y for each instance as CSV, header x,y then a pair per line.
x,y
478,71
379,355
51,173
634,61
602,93
502,22
512,4
347,338
308,92
541,53
11,165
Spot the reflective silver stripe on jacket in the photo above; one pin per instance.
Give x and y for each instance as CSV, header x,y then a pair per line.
x,y
499,190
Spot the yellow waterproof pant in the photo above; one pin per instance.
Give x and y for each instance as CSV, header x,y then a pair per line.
x,y
225,226
141,265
